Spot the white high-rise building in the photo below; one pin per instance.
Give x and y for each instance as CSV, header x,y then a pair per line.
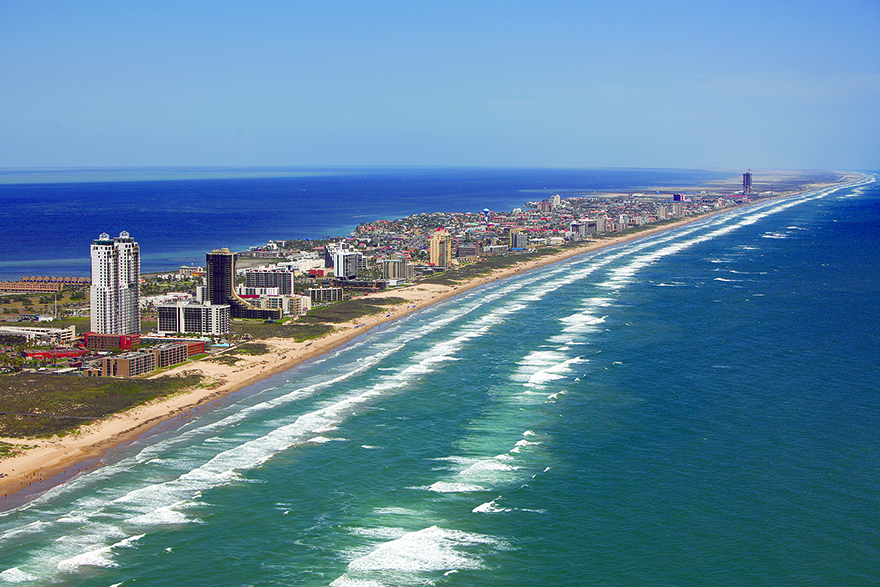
x,y
345,264
188,318
115,291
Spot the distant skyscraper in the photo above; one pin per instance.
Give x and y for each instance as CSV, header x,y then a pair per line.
x,y
220,288
115,290
747,182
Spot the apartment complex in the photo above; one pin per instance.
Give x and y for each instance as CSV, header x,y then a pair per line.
x,y
345,261
30,287
397,268
192,318
130,364
134,363
292,305
346,264
270,278
325,294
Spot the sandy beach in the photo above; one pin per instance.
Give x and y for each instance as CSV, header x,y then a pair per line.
x,y
51,461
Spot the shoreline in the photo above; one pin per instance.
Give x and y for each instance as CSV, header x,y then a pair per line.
x,y
56,460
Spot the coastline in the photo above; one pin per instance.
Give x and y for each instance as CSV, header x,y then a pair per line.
x,y
55,460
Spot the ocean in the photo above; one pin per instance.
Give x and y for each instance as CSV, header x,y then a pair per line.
x,y
177,215
698,407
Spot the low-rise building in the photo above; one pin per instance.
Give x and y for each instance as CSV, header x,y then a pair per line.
x,y
30,287
111,342
171,297
290,305
325,294
497,250
194,346
190,272
130,364
134,363
169,354
52,354
468,250
50,335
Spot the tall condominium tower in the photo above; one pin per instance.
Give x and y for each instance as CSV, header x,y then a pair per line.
x,y
747,182
115,290
440,247
221,288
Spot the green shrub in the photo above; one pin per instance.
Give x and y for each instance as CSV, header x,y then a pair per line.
x,y
46,404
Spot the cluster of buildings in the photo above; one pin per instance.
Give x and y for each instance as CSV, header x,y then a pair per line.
x,y
113,347
136,361
424,243
382,252
40,284
267,294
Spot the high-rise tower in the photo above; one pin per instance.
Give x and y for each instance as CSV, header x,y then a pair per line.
x,y
747,182
221,288
440,247
115,290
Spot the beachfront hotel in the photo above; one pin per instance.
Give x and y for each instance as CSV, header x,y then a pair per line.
x,y
115,289
220,288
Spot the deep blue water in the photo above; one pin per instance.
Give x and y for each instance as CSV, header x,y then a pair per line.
x,y
48,227
699,407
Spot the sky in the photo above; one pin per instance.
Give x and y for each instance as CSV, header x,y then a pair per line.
x,y
770,84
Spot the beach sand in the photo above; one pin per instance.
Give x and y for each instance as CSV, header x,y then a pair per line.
x,y
54,460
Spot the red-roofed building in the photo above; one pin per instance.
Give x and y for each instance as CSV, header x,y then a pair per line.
x,y
54,354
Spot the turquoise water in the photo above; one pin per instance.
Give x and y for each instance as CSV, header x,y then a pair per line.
x,y
698,407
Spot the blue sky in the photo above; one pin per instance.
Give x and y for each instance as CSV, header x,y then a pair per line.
x,y
769,84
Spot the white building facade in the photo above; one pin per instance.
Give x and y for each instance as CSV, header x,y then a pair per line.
x,y
115,289
189,318
294,305
346,264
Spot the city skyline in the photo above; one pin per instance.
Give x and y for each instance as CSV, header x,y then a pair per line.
x,y
775,85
